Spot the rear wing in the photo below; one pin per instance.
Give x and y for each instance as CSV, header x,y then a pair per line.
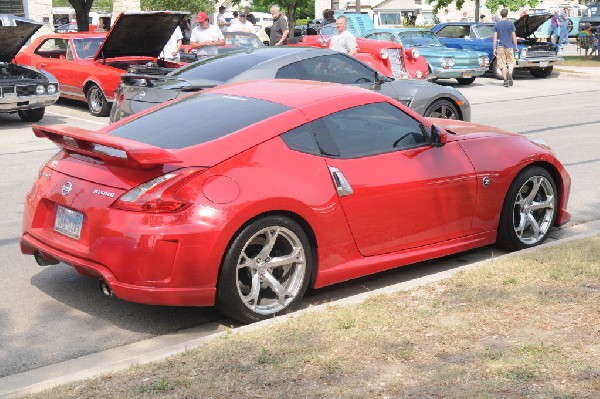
x,y
110,149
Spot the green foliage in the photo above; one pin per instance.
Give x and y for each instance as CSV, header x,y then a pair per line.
x,y
192,6
493,5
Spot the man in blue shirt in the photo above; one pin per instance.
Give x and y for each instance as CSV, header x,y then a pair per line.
x,y
505,45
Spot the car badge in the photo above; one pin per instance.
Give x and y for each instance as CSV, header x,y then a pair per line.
x,y
66,188
486,181
142,94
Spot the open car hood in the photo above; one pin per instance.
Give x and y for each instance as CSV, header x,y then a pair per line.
x,y
528,24
13,38
140,34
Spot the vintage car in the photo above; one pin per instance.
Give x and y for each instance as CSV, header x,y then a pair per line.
x,y
247,194
138,92
537,57
389,58
89,65
23,89
444,62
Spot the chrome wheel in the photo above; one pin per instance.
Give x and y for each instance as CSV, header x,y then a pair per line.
x,y
97,103
271,270
533,210
442,109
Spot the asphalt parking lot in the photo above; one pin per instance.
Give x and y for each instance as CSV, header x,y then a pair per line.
x,y
51,315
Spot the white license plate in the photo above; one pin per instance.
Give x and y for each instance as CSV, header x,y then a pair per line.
x,y
466,75
543,64
68,222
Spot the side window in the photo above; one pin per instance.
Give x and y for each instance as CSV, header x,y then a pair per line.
x,y
454,31
334,68
301,139
368,130
53,48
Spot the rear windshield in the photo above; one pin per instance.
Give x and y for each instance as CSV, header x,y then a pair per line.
x,y
197,119
220,68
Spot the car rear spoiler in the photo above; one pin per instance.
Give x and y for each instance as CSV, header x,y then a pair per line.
x,y
110,149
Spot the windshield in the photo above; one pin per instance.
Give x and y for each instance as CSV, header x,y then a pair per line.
x,y
241,40
485,31
417,39
87,47
220,68
593,11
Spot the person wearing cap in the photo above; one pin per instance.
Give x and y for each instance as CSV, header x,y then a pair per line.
x,y
249,16
241,24
279,29
206,38
221,21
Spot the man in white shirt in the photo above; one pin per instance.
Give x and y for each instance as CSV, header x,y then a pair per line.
x,y
343,41
171,50
221,21
420,19
241,25
206,38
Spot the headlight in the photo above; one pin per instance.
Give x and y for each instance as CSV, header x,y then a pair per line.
x,y
415,53
447,62
419,74
39,89
523,53
483,61
384,54
451,62
51,89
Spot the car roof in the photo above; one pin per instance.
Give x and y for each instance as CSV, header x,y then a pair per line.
x,y
295,93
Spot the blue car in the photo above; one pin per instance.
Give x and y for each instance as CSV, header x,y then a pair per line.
x,y
537,57
444,62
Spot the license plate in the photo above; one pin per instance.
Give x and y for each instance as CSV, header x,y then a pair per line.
x,y
68,222
543,64
466,75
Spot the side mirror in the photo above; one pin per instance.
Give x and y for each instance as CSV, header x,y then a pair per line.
x,y
379,79
438,136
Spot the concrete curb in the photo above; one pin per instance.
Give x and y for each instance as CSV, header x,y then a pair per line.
x,y
159,348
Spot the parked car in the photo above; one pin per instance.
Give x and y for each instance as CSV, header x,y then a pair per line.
x,y
246,194
89,65
389,58
444,62
23,89
13,20
138,92
537,57
233,41
72,27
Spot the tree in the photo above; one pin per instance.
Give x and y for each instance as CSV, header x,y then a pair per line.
x,y
82,13
493,5
291,8
192,6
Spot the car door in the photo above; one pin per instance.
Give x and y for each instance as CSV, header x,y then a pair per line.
x,y
335,68
397,191
51,56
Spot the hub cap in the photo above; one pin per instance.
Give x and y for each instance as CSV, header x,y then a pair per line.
x,y
533,210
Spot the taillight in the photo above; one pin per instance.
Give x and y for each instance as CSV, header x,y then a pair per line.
x,y
158,195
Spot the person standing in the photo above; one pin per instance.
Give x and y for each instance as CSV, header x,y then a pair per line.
x,y
206,38
555,26
343,41
420,19
564,22
444,17
241,24
465,17
249,16
171,50
221,21
505,45
279,29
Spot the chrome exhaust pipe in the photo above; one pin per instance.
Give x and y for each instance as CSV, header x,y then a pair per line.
x,y
105,288
42,260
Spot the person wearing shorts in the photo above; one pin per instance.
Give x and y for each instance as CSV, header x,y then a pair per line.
x,y
505,45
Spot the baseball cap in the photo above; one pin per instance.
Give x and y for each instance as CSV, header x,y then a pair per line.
x,y
202,16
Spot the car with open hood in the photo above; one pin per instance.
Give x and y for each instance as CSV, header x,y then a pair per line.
x,y
88,65
139,92
23,89
247,194
537,57
444,62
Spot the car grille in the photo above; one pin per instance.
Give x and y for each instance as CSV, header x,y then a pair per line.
x,y
540,53
396,62
25,90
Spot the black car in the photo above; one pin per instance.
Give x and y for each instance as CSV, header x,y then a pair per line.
x,y
23,89
139,92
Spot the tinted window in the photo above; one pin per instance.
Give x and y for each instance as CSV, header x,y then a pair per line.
x,y
220,68
197,119
335,68
368,130
301,139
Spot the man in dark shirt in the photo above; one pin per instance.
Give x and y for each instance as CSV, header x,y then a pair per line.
x,y
279,29
249,16
505,45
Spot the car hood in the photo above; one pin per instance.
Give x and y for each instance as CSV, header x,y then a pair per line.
x,y
13,38
140,34
467,130
528,24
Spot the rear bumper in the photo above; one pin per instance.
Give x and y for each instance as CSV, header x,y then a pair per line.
x,y
151,295
538,62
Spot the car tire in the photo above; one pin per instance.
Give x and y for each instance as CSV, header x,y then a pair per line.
x,y
529,210
32,115
251,287
465,81
97,103
541,72
443,109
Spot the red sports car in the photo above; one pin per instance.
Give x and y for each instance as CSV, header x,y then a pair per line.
x,y
246,194
88,65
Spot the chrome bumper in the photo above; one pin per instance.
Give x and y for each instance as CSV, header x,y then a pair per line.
x,y
538,62
10,102
457,73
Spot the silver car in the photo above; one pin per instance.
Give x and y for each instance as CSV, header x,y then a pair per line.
x,y
139,92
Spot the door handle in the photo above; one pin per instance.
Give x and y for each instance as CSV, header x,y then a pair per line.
x,y
43,65
339,180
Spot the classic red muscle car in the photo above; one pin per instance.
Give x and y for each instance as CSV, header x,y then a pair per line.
x,y
88,65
